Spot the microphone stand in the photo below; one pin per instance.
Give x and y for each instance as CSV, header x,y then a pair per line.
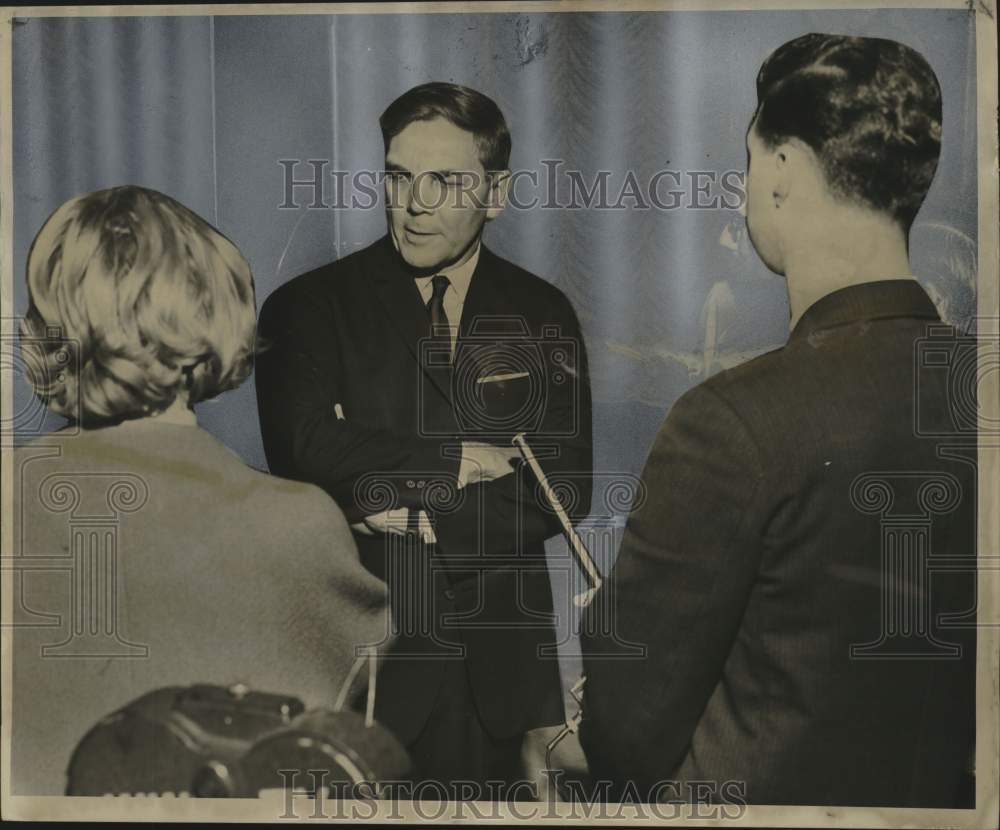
x,y
581,600
583,557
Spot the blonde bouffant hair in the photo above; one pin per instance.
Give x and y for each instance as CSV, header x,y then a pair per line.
x,y
133,298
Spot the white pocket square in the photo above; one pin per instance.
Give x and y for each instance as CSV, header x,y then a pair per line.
x,y
498,378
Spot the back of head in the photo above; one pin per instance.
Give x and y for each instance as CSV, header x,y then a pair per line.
x,y
870,109
133,300
462,106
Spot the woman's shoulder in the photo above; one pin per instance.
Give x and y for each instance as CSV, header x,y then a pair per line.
x,y
185,468
304,505
271,503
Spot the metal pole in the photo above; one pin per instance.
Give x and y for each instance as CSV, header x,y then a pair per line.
x,y
575,542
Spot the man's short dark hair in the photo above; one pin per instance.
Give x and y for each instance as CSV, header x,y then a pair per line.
x,y
869,108
464,107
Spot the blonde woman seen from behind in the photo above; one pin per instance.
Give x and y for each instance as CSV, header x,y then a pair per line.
x,y
163,560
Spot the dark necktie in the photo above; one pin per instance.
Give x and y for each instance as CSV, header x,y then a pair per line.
x,y
440,327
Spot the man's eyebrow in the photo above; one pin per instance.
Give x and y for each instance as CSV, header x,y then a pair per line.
x,y
398,168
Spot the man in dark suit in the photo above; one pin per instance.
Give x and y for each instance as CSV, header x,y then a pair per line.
x,y
811,514
395,379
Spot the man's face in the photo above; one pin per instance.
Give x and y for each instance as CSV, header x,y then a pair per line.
x,y
762,215
437,194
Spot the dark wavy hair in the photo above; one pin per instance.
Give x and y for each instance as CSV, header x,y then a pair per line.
x,y
464,107
869,108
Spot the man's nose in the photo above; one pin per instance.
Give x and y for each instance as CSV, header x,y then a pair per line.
x,y
422,195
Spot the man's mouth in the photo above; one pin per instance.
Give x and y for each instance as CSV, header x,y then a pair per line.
x,y
414,235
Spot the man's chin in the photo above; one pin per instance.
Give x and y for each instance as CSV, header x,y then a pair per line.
x,y
418,259
766,254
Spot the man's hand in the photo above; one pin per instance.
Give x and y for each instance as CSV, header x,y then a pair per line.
x,y
485,462
396,523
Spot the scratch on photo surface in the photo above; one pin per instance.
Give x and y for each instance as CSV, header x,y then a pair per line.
x,y
532,41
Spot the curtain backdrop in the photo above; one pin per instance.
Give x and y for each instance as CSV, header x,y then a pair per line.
x,y
212,110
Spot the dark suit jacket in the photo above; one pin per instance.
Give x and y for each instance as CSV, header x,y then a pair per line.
x,y
786,500
149,555
350,333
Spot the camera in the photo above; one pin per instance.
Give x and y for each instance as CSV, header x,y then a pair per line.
x,y
215,742
503,379
960,364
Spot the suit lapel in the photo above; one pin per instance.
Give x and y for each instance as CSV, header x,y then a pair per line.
x,y
486,296
398,293
485,317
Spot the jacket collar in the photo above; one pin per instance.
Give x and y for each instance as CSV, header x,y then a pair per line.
x,y
398,290
398,293
866,301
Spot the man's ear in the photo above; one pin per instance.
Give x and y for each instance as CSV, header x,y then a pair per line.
x,y
784,160
796,169
496,197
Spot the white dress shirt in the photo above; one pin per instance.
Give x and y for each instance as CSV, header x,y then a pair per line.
x,y
459,277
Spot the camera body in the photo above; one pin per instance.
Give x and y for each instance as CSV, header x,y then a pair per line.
x,y
210,741
504,380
